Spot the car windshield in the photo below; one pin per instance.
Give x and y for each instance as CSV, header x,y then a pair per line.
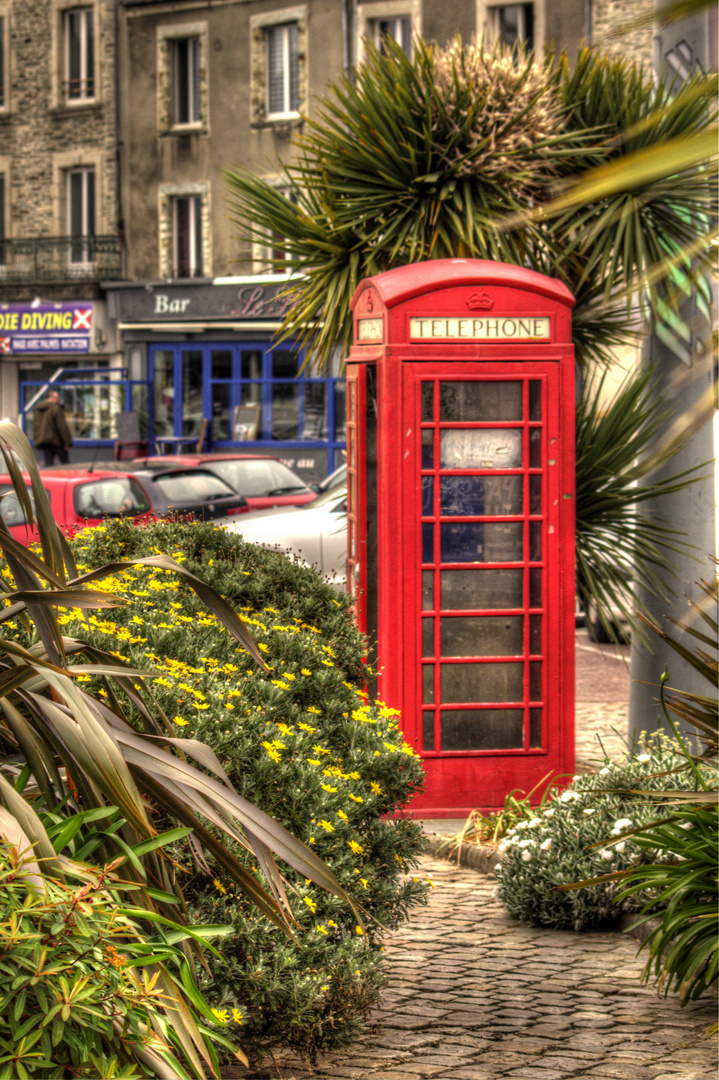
x,y
334,499
111,497
11,509
192,487
255,477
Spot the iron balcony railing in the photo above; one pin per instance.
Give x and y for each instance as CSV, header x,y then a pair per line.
x,y
60,258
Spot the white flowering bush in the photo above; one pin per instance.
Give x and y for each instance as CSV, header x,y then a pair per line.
x,y
553,846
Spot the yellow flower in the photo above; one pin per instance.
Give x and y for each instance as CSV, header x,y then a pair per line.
x,y
356,848
306,727
356,798
220,1016
320,749
360,931
328,787
327,826
376,788
237,1016
311,904
264,647
304,671
321,930
220,887
341,813
311,708
327,663
365,882
179,721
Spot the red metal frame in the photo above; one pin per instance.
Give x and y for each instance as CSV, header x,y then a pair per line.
x,y
542,722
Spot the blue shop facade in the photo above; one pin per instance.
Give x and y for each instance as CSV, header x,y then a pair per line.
x,y
196,351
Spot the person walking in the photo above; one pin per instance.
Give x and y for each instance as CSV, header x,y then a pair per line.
x,y
52,435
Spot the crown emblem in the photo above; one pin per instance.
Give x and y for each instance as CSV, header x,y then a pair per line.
x,y
480,300
369,302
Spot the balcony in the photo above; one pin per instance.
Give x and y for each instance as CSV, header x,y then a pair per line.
x,y
60,258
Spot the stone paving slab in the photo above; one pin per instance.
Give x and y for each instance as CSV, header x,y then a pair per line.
x,y
586,1017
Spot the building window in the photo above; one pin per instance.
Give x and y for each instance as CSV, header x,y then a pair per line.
x,y
187,236
283,70
278,66
3,97
186,107
514,23
3,230
79,55
398,27
183,105
81,215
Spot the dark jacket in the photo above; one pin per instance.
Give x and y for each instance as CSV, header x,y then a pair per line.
x,y
50,427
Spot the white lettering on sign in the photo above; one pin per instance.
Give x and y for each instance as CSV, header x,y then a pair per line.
x,y
165,306
499,327
369,329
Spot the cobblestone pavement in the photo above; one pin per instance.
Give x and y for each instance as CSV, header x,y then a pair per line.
x,y
599,728
474,995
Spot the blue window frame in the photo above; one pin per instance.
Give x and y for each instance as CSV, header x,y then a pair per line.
x,y
284,407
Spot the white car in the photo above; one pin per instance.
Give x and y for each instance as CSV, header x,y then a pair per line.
x,y
316,532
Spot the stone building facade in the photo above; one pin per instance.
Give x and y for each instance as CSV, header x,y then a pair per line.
x,y
59,227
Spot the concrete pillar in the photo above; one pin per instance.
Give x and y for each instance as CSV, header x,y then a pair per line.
x,y
685,372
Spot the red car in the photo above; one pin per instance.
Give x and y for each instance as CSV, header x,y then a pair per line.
x,y
78,497
264,481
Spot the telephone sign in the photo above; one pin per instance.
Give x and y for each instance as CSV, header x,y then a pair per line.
x,y
460,453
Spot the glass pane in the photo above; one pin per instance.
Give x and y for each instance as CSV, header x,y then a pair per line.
x,y
475,496
164,392
315,420
221,363
480,448
535,448
535,400
535,494
351,448
350,398
481,682
285,411
535,681
535,634
535,729
427,637
463,590
191,392
428,590
482,636
482,729
285,363
428,542
535,541
250,393
427,401
484,401
251,364
340,413
535,587
427,456
479,542
220,411
428,684
427,496
428,731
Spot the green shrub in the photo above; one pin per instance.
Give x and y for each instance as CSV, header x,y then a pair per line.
x,y
303,745
76,997
543,852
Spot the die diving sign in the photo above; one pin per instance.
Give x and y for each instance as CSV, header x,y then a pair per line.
x,y
41,328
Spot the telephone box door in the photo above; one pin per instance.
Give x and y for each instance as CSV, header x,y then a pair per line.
x,y
486,603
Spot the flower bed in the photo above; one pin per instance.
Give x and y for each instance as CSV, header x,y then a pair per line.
x,y
302,743
554,847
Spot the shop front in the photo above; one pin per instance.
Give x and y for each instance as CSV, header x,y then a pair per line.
x,y
206,351
68,345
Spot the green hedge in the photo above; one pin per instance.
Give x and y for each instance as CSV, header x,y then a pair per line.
x,y
301,743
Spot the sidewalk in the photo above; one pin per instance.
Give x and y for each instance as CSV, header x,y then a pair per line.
x,y
474,995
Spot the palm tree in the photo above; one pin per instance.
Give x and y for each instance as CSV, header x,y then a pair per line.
x,y
461,152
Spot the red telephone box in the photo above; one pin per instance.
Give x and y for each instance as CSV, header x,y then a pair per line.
x,y
460,452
